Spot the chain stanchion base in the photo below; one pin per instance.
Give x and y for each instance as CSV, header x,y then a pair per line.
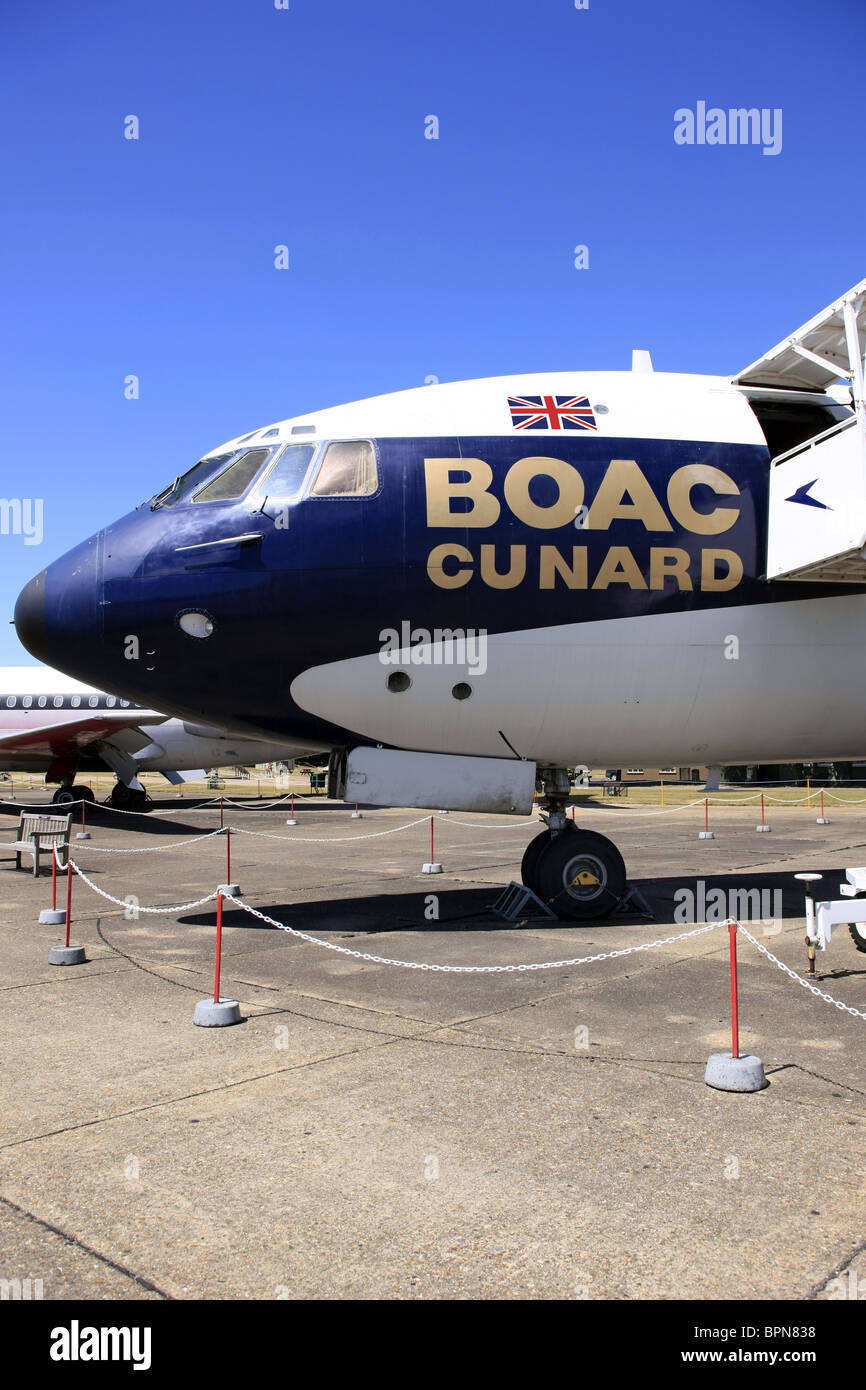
x,y
67,955
291,821
52,916
762,827
706,835
216,1013
822,820
83,835
728,1073
431,868
229,890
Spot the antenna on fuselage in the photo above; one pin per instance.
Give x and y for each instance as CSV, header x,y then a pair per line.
x,y
641,361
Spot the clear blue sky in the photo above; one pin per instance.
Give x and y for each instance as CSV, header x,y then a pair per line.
x,y
408,256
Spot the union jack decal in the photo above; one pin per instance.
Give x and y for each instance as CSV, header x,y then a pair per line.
x,y
551,413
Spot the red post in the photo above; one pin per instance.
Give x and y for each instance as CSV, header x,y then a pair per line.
x,y
706,813
572,813
293,806
68,895
221,813
259,785
763,822
229,855
83,804
432,855
54,878
822,803
735,1026
219,949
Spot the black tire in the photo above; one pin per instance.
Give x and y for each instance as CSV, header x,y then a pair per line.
x,y
532,857
84,793
583,852
64,795
858,934
127,798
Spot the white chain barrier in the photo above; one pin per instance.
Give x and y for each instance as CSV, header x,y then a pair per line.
x,y
476,969
792,974
469,969
151,849
328,839
122,902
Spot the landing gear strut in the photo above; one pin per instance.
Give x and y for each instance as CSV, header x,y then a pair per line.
x,y
578,873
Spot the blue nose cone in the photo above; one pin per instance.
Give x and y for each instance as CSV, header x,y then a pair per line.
x,y
58,615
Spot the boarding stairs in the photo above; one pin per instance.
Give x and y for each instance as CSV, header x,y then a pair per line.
x,y
816,526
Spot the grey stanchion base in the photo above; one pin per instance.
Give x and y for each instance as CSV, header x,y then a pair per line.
x,y
706,835
67,955
822,820
291,822
52,916
431,868
212,1013
762,827
728,1073
230,890
83,835
356,815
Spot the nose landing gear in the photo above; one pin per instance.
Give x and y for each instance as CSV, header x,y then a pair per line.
x,y
127,798
578,873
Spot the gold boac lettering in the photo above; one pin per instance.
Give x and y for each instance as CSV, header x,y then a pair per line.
x,y
552,563
560,512
516,571
436,566
625,477
709,578
484,509
619,567
669,564
680,499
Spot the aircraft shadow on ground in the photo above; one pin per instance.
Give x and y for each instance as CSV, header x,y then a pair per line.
x,y
470,909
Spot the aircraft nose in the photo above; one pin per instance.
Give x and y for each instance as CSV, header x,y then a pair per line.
x,y
58,614
30,616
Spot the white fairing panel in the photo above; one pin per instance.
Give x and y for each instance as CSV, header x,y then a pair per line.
x,y
385,777
667,688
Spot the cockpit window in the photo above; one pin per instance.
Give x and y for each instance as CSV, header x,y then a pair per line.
x,y
348,470
184,483
234,480
289,471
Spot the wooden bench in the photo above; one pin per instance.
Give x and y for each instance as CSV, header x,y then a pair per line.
x,y
37,834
